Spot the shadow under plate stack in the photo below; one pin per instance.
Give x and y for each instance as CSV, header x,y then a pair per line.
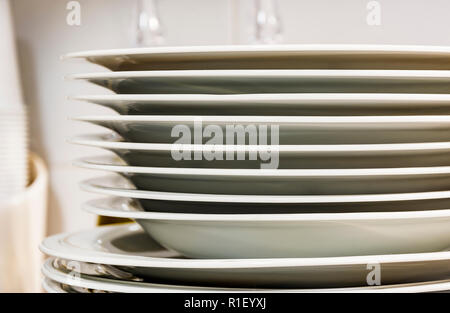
x,y
358,181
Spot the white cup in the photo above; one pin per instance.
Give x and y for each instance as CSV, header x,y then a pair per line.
x,y
22,228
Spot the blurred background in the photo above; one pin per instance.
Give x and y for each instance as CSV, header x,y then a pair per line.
x,y
43,33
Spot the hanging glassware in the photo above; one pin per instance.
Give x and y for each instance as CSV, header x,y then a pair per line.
x,y
148,30
268,29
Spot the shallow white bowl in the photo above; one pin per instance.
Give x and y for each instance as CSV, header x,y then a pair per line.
x,y
274,104
175,202
290,156
271,81
288,235
276,181
277,130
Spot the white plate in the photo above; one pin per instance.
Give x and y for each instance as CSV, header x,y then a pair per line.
x,y
271,81
271,56
129,248
276,182
280,130
114,285
275,104
118,186
288,235
239,204
298,156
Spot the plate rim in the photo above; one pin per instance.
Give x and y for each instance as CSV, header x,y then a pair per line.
x,y
300,48
253,98
94,185
266,73
306,120
92,206
113,164
114,141
54,244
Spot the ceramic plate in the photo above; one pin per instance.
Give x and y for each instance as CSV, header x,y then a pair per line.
x,y
288,235
271,56
276,130
275,104
130,249
276,182
271,81
158,201
90,283
300,156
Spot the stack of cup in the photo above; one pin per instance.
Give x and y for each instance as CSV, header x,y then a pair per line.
x,y
13,151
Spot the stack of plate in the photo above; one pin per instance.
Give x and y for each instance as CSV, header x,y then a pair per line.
x,y
336,177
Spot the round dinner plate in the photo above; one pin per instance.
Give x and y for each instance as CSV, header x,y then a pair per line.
x,y
130,249
287,235
271,56
274,104
290,156
118,186
276,130
271,81
100,284
158,201
276,181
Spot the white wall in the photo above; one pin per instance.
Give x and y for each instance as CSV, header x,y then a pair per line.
x,y
43,36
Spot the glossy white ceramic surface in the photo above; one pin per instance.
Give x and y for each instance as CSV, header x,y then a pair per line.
x,y
271,81
129,248
96,284
271,56
274,104
288,235
290,156
276,130
276,181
